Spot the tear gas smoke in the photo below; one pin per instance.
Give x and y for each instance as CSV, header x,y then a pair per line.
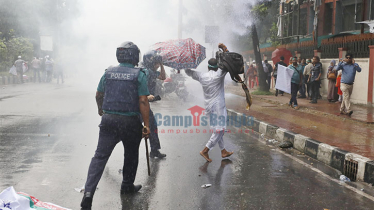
x,y
103,25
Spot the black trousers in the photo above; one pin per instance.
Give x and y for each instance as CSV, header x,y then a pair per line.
x,y
294,89
302,88
315,90
113,129
154,141
276,90
268,80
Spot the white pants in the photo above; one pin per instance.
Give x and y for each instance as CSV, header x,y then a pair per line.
x,y
217,136
347,92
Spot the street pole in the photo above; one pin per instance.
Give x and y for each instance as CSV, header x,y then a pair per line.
x,y
260,69
180,17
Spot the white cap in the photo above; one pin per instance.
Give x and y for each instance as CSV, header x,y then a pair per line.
x,y
19,56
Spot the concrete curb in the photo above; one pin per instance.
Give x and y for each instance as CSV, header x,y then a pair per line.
x,y
12,80
325,153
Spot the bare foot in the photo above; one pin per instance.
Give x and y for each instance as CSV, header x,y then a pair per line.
x,y
226,154
206,156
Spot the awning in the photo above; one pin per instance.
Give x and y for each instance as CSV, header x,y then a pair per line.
x,y
370,23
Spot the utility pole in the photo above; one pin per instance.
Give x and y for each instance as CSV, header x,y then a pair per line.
x,y
260,70
180,17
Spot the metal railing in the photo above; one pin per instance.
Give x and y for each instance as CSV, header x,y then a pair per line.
x,y
355,44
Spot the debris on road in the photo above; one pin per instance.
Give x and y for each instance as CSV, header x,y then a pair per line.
x,y
344,178
80,190
286,144
206,186
300,155
272,141
10,199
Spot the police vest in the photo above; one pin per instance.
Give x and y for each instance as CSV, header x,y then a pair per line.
x,y
121,89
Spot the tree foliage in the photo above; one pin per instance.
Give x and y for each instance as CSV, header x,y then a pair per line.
x,y
27,17
21,23
12,48
265,16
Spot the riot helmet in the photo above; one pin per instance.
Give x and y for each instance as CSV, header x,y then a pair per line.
x,y
151,58
128,52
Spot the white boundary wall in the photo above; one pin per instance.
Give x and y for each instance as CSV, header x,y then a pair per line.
x,y
360,87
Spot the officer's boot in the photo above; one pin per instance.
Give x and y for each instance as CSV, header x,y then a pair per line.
x,y
127,189
87,201
156,153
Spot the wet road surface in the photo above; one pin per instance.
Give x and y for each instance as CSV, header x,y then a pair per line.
x,y
48,134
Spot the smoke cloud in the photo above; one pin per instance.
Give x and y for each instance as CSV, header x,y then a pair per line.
x,y
103,25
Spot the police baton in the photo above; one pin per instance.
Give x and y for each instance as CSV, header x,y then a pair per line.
x,y
146,150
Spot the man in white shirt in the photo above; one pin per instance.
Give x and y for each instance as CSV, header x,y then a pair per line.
x,y
214,95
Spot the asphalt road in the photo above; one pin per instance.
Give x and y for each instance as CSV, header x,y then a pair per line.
x,y
49,132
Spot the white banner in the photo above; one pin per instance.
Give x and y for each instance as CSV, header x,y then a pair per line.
x,y
13,71
284,76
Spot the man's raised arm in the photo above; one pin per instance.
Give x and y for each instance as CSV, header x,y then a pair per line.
x,y
194,74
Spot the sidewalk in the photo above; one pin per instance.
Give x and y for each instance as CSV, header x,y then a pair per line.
x,y
319,121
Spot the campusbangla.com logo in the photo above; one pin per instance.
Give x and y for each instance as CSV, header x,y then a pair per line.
x,y
197,120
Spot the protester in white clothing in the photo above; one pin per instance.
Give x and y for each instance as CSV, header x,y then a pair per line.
x,y
214,95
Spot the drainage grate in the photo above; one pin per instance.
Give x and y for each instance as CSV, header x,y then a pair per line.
x,y
350,169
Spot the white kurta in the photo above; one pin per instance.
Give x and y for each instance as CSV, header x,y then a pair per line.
x,y
214,93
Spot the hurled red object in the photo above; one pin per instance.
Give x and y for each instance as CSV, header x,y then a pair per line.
x,y
276,54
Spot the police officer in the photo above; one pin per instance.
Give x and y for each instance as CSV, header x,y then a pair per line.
x,y
152,61
121,97
19,68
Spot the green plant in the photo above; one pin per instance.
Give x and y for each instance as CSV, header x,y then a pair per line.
x,y
274,39
260,92
11,49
